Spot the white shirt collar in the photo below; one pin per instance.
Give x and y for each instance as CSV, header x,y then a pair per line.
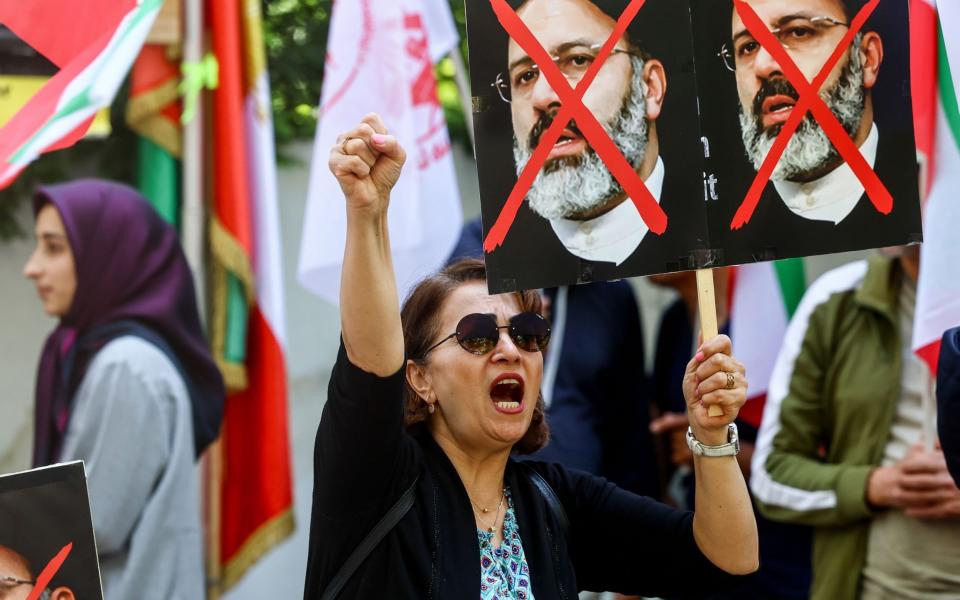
x,y
613,236
833,196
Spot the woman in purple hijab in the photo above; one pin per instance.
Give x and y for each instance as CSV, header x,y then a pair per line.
x,y
126,382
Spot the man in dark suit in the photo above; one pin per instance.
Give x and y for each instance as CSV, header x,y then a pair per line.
x,y
814,194
948,400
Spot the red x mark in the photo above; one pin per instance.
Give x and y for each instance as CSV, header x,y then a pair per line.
x,y
572,107
46,576
809,101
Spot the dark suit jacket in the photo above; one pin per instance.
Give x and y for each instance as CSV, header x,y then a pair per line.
x,y
775,232
547,263
948,400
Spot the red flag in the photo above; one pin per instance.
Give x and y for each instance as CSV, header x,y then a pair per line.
x,y
94,43
253,490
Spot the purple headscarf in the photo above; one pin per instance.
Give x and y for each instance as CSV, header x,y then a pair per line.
x,y
130,268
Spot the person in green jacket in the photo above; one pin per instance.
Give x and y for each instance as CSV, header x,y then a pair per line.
x,y
842,444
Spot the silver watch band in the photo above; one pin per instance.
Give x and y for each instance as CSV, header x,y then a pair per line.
x,y
731,448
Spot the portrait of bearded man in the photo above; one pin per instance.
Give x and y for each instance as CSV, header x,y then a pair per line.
x,y
586,206
815,202
577,224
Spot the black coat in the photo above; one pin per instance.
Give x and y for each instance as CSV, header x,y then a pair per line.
x,y
365,460
948,400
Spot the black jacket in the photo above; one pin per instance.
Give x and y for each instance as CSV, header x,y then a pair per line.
x,y
365,460
948,400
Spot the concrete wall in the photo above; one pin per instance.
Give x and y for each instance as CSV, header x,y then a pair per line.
x,y
23,328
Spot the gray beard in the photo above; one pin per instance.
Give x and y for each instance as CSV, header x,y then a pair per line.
x,y
810,150
572,186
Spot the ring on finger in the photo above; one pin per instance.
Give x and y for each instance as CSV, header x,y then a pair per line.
x,y
343,144
731,381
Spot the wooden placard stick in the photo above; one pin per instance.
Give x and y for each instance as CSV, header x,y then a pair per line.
x,y
707,301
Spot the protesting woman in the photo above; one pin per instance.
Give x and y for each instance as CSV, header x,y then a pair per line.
x,y
126,382
429,405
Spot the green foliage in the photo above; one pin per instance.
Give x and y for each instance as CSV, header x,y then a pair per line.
x,y
295,34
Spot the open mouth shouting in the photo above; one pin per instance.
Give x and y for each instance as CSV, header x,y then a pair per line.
x,y
506,392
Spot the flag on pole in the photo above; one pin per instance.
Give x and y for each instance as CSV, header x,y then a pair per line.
x,y
380,58
764,298
938,288
253,490
923,83
153,112
442,34
94,43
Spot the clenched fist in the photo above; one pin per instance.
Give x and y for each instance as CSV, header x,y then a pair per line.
x,y
367,162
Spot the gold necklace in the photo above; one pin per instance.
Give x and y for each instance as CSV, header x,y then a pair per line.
x,y
496,517
487,526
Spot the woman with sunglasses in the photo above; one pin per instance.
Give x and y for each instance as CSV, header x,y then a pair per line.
x,y
416,494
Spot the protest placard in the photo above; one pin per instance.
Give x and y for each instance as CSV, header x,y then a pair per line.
x,y
47,546
629,137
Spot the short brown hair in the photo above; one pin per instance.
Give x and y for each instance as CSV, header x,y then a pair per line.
x,y
421,324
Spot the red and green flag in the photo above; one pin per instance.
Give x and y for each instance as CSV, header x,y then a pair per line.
x,y
936,82
153,112
94,44
253,490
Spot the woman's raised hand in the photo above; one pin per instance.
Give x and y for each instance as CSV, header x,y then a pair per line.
x,y
367,162
714,377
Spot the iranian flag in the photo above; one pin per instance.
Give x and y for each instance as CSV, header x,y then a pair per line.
x,y
153,112
94,43
764,297
936,80
250,498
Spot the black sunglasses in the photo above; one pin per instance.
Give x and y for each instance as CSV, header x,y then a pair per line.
x,y
478,333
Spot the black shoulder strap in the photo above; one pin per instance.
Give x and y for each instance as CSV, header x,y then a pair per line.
x,y
366,546
550,496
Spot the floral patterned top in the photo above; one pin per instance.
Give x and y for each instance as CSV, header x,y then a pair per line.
x,y
504,573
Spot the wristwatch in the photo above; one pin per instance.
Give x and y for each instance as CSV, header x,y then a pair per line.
x,y
731,448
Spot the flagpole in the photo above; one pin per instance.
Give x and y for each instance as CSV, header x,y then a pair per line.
x,y
463,86
193,226
192,215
